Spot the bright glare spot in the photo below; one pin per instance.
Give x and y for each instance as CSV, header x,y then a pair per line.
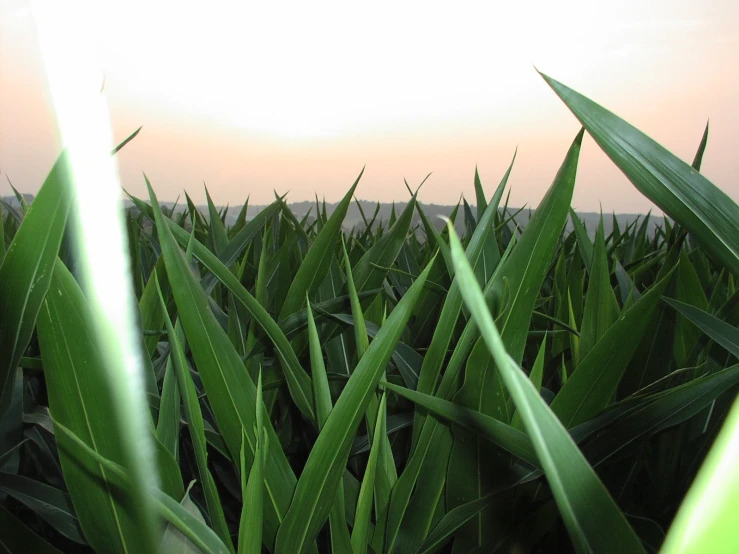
x,y
82,114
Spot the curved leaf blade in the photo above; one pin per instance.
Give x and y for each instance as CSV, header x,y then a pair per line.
x,y
317,486
26,270
672,184
593,519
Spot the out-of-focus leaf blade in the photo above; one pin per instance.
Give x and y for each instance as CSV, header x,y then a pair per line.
x,y
172,511
705,522
79,399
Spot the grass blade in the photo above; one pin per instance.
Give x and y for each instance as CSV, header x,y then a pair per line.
x,y
26,271
194,418
188,524
593,519
175,540
128,139
673,185
80,400
364,503
297,379
232,398
434,358
601,308
513,287
494,430
724,334
370,271
50,504
596,378
340,539
252,512
317,262
318,483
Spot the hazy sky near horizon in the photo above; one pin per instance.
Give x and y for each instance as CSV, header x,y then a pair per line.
x,y
299,96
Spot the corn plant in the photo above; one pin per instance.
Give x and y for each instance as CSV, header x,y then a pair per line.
x,y
402,387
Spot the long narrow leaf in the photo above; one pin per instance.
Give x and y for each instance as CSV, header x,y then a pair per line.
x,y
593,519
26,271
319,480
672,184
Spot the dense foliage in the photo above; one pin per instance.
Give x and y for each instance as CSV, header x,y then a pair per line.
x,y
390,389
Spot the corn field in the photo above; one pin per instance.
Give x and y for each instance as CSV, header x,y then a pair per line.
x,y
400,388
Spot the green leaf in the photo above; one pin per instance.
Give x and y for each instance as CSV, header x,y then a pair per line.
x,y
173,539
704,522
625,427
475,465
592,518
455,519
584,243
172,511
26,271
526,267
601,308
252,489
170,476
50,504
237,245
405,357
340,539
519,276
2,238
297,380
361,339
387,474
232,398
678,189
317,486
536,376
16,537
364,503
434,358
128,139
724,334
595,380
688,290
698,159
317,262
502,434
11,428
80,399
194,418
479,196
168,424
217,230
371,269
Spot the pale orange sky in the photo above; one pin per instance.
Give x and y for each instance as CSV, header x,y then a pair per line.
x,y
299,96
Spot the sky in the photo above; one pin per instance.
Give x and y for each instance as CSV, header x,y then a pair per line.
x,y
256,97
